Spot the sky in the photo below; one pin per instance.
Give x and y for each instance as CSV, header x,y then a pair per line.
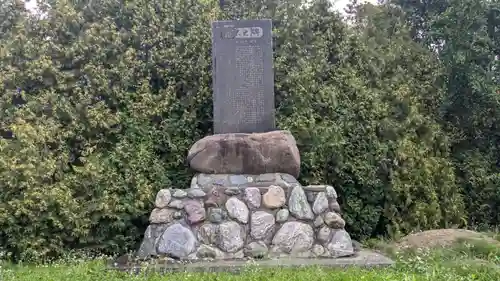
x,y
338,4
30,5
341,4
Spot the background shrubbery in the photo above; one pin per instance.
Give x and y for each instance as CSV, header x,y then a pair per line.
x,y
397,107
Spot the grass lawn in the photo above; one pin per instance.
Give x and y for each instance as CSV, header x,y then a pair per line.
x,y
466,260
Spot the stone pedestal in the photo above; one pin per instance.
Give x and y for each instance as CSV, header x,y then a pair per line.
x,y
236,215
272,152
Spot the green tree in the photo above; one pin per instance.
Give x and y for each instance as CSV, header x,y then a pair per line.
x,y
109,104
101,101
465,36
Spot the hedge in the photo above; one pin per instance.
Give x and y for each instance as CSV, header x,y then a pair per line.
x,y
102,100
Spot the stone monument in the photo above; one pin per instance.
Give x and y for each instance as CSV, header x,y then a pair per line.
x,y
245,200
243,78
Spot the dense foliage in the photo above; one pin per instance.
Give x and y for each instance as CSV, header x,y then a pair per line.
x,y
466,36
100,101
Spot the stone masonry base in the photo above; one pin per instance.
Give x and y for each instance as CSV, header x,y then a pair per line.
x,y
239,216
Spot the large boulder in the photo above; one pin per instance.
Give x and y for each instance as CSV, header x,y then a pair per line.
x,y
257,153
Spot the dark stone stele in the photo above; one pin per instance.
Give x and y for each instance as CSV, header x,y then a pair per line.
x,y
243,76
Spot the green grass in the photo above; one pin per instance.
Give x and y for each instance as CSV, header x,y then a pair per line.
x,y
467,260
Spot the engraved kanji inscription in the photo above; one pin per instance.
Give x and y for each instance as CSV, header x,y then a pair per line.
x,y
243,78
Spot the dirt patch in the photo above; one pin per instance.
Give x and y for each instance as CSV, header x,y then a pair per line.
x,y
441,238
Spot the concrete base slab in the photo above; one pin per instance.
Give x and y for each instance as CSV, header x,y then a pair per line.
x,y
364,258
